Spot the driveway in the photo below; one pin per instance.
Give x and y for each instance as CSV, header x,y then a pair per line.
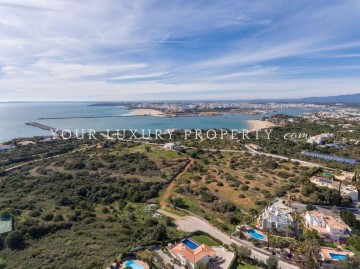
x,y
226,255
166,259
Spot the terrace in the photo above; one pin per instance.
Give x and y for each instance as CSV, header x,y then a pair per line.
x,y
333,254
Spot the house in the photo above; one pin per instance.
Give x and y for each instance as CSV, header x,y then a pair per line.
x,y
255,147
319,139
5,147
328,226
191,254
348,126
157,215
169,145
277,215
345,190
151,207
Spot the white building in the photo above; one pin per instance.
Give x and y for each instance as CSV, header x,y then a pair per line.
x,y
328,226
319,139
345,190
193,257
277,215
169,145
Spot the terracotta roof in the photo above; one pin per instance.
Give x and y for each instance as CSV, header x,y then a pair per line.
x,y
193,255
330,220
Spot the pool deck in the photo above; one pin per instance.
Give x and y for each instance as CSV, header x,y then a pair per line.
x,y
325,253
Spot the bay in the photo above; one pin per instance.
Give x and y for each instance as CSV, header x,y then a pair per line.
x,y
13,117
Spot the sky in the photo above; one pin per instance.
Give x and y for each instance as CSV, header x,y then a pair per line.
x,y
119,50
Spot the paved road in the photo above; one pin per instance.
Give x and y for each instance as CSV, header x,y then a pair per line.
x,y
304,163
192,224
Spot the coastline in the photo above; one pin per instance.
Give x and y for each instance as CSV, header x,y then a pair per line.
x,y
146,112
260,124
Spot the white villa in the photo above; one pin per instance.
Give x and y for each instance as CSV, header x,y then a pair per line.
x,y
169,145
328,226
319,139
277,215
192,258
345,190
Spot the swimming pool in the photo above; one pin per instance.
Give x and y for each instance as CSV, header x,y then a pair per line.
x,y
190,244
336,256
255,234
328,174
134,265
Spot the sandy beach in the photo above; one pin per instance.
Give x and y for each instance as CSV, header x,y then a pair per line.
x,y
147,112
260,124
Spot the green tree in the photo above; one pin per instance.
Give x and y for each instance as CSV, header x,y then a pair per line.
x,y
241,252
311,247
310,234
272,262
14,240
160,232
2,263
349,218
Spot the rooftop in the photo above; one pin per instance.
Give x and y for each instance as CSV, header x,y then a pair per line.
x,y
193,255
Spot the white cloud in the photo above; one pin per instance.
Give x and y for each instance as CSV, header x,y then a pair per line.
x,y
64,49
138,76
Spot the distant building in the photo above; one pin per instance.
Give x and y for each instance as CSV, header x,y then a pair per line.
x,y
345,190
348,126
277,215
255,147
151,207
157,215
192,255
319,139
4,147
169,146
328,226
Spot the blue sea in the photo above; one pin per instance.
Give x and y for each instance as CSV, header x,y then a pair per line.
x,y
13,117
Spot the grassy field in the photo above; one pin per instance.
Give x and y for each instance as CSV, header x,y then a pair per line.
x,y
247,266
204,239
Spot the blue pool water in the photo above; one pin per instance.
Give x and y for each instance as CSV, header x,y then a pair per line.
x,y
190,244
133,265
336,256
255,234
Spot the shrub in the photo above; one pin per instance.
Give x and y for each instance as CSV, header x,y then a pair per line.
x,y
35,213
48,217
14,240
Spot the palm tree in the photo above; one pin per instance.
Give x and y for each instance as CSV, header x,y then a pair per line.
x,y
288,229
268,234
234,248
311,247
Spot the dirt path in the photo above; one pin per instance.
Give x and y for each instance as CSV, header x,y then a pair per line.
x,y
169,189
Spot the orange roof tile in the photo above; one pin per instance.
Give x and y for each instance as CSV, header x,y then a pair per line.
x,y
193,255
